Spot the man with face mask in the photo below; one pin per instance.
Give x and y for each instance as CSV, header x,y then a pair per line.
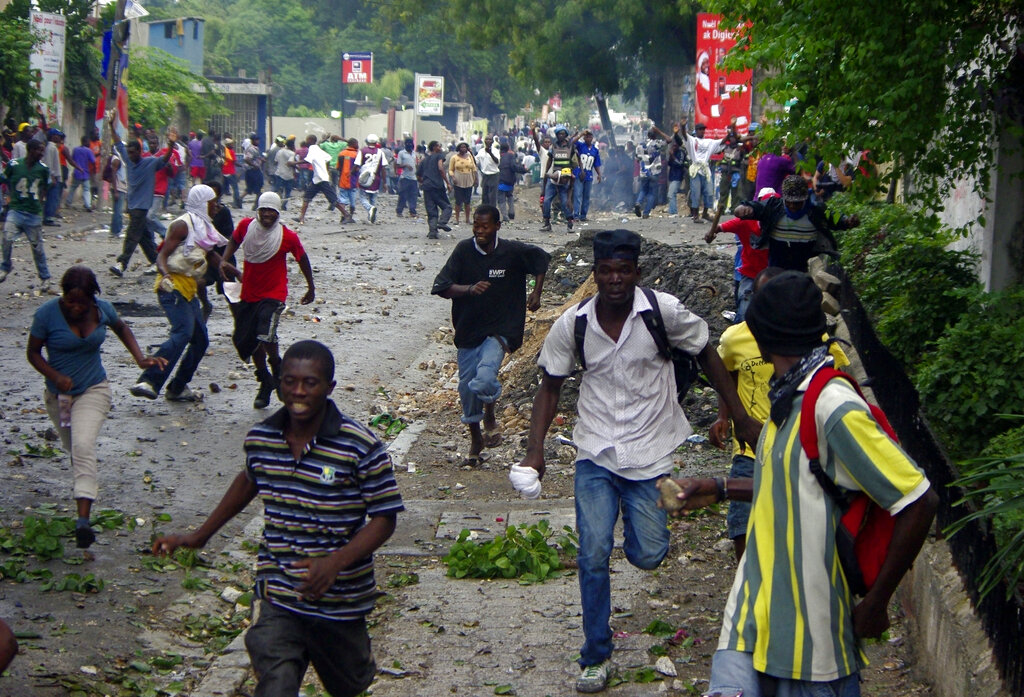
x,y
265,244
562,159
794,228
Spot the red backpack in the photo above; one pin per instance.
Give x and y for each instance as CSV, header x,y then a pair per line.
x,y
865,529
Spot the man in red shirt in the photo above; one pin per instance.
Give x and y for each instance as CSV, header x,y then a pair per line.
x,y
752,261
163,177
265,244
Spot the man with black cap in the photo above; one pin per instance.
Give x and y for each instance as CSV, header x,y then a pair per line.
x,y
485,278
630,423
794,228
790,625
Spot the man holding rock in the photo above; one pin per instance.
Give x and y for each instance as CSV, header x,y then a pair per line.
x,y
630,423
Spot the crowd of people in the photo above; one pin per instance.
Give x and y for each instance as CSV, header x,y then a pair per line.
x,y
326,481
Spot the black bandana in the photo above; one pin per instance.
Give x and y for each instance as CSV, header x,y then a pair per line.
x,y
783,389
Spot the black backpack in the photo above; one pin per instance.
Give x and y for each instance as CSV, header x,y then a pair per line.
x,y
687,370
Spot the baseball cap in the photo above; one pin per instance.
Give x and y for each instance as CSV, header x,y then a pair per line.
x,y
372,139
617,244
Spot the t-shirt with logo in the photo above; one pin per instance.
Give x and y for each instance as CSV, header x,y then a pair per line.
x,y
589,157
22,180
501,311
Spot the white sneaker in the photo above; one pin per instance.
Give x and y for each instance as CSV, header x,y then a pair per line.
x,y
373,214
151,270
143,389
594,678
118,269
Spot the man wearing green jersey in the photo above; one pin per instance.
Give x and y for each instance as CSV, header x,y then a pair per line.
x,y
24,216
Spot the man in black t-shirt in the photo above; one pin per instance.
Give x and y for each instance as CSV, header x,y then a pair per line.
x,y
485,278
433,178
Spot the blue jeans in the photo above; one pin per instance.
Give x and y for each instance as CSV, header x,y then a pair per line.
x,y
739,511
86,186
438,209
550,191
645,196
408,192
733,671
188,331
53,195
478,378
153,221
369,199
700,188
30,226
673,191
600,494
230,184
117,219
179,184
283,188
349,196
743,294
581,198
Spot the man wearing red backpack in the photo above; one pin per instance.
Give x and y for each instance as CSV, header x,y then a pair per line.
x,y
791,627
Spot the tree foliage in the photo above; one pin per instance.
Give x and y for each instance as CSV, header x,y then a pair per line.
x,y
157,82
922,84
17,89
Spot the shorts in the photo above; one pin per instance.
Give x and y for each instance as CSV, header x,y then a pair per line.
x,y
324,188
463,195
255,323
199,172
739,511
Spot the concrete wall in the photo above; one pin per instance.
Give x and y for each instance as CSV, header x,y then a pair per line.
x,y
1000,241
188,45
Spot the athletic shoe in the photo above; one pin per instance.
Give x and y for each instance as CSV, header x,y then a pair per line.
x,y
636,209
118,269
546,227
4,275
186,395
446,228
151,270
143,389
646,216
594,678
47,288
267,386
373,214
569,223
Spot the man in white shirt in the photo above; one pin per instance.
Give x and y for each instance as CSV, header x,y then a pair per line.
x,y
630,422
321,182
699,149
487,162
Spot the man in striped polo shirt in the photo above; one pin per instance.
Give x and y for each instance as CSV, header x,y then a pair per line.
x,y
791,627
330,500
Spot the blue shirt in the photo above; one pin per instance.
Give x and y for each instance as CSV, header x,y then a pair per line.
x,y
590,157
76,356
141,178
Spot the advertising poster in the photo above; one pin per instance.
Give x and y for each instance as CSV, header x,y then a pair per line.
x,y
720,95
357,68
429,95
47,62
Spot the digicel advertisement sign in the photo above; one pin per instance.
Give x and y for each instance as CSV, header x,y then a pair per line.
x,y
356,68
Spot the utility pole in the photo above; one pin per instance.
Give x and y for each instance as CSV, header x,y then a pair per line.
x,y
118,42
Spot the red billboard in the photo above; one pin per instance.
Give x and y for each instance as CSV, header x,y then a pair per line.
x,y
720,95
357,68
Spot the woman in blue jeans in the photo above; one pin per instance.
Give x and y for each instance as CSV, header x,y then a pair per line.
x,y
189,248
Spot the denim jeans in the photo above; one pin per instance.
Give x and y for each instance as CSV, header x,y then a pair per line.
x,y
437,207
369,199
153,217
53,195
179,184
743,294
283,188
117,218
86,193
30,226
739,511
506,205
350,197
231,184
646,193
700,187
600,495
408,192
673,192
478,378
581,198
550,191
733,671
188,331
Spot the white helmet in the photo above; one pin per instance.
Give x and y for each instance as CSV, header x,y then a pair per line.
x,y
372,139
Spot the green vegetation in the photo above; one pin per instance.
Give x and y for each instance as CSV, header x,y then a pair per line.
x,y
157,82
523,552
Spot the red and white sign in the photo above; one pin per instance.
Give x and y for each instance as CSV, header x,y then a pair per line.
x,y
721,96
555,103
357,68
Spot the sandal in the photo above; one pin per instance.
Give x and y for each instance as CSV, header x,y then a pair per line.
x,y
492,438
475,460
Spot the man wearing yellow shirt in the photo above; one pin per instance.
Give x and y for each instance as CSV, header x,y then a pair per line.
x,y
752,374
182,259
